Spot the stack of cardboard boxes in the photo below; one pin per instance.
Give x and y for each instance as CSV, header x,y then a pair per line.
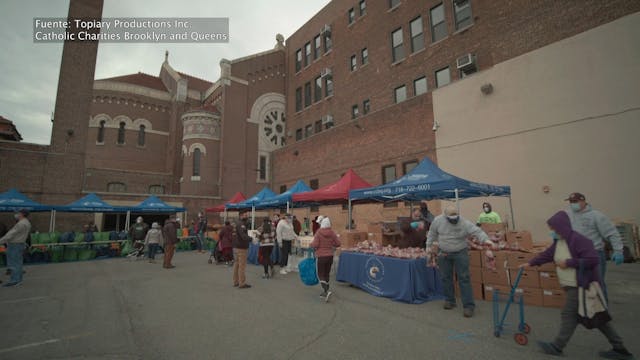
x,y
538,286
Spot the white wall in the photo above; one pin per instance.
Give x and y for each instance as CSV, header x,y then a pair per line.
x,y
566,116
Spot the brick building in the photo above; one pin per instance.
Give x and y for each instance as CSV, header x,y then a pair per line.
x,y
358,86
363,74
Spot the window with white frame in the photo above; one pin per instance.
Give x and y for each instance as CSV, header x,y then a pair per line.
x,y
462,13
417,34
397,48
438,23
420,86
443,77
400,94
353,63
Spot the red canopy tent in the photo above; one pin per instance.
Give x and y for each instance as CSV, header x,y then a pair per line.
x,y
238,197
336,193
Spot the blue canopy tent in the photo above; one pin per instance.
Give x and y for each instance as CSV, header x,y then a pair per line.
x,y
89,203
154,205
13,200
427,182
251,203
284,199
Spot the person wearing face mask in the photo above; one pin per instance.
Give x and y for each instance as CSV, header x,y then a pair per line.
x,y
571,250
15,240
451,232
598,228
488,216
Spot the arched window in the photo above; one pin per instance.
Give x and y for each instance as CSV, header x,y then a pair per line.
x,y
141,136
121,133
100,138
196,162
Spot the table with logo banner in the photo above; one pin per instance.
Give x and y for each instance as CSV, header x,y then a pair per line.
x,y
406,280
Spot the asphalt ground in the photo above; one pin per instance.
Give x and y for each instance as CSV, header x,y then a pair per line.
x,y
122,309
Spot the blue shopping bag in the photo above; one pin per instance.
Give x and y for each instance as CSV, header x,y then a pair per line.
x,y
308,270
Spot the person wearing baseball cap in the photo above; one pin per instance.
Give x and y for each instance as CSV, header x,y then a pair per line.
x,y
451,232
15,240
598,228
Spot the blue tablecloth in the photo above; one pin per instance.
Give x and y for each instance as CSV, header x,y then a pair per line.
x,y
406,280
252,255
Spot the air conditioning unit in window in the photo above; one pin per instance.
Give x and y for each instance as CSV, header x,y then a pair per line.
x,y
325,72
466,61
327,119
326,29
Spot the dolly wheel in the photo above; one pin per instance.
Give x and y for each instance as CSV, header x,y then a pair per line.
x,y
525,328
521,339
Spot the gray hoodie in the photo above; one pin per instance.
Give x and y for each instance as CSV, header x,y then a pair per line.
x,y
597,227
453,238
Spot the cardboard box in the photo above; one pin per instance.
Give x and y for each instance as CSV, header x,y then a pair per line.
x,y
498,277
519,240
518,257
477,290
549,267
553,298
529,279
549,280
501,256
493,227
503,290
375,227
531,296
475,258
475,274
349,239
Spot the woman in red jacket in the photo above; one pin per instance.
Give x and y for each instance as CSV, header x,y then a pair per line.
x,y
324,242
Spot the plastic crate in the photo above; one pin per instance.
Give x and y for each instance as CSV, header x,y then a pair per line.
x,y
57,254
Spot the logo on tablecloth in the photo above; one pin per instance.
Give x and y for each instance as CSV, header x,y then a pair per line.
x,y
375,269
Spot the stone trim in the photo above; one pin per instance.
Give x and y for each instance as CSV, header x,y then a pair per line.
x,y
131,89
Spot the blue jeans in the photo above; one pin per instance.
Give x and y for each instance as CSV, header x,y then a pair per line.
x,y
602,267
200,241
152,250
15,254
458,261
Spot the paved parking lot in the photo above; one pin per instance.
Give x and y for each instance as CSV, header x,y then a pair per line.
x,y
120,309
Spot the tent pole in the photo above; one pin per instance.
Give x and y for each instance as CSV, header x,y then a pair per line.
x,y
51,221
287,207
513,222
349,216
457,202
253,217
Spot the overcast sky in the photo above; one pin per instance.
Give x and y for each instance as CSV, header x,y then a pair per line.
x,y
30,71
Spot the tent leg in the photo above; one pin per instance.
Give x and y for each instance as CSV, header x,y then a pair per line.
x,y
457,202
349,216
253,217
513,221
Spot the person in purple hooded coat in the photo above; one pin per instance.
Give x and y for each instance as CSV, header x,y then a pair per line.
x,y
569,251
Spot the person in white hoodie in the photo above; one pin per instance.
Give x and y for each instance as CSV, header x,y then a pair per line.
x,y
285,236
15,240
152,241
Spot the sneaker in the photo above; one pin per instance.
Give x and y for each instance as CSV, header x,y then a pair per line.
x,y
12,284
245,286
265,276
324,294
283,272
468,312
448,305
623,354
549,349
326,299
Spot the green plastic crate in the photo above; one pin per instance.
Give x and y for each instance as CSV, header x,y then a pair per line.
x,y
86,254
70,254
57,254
